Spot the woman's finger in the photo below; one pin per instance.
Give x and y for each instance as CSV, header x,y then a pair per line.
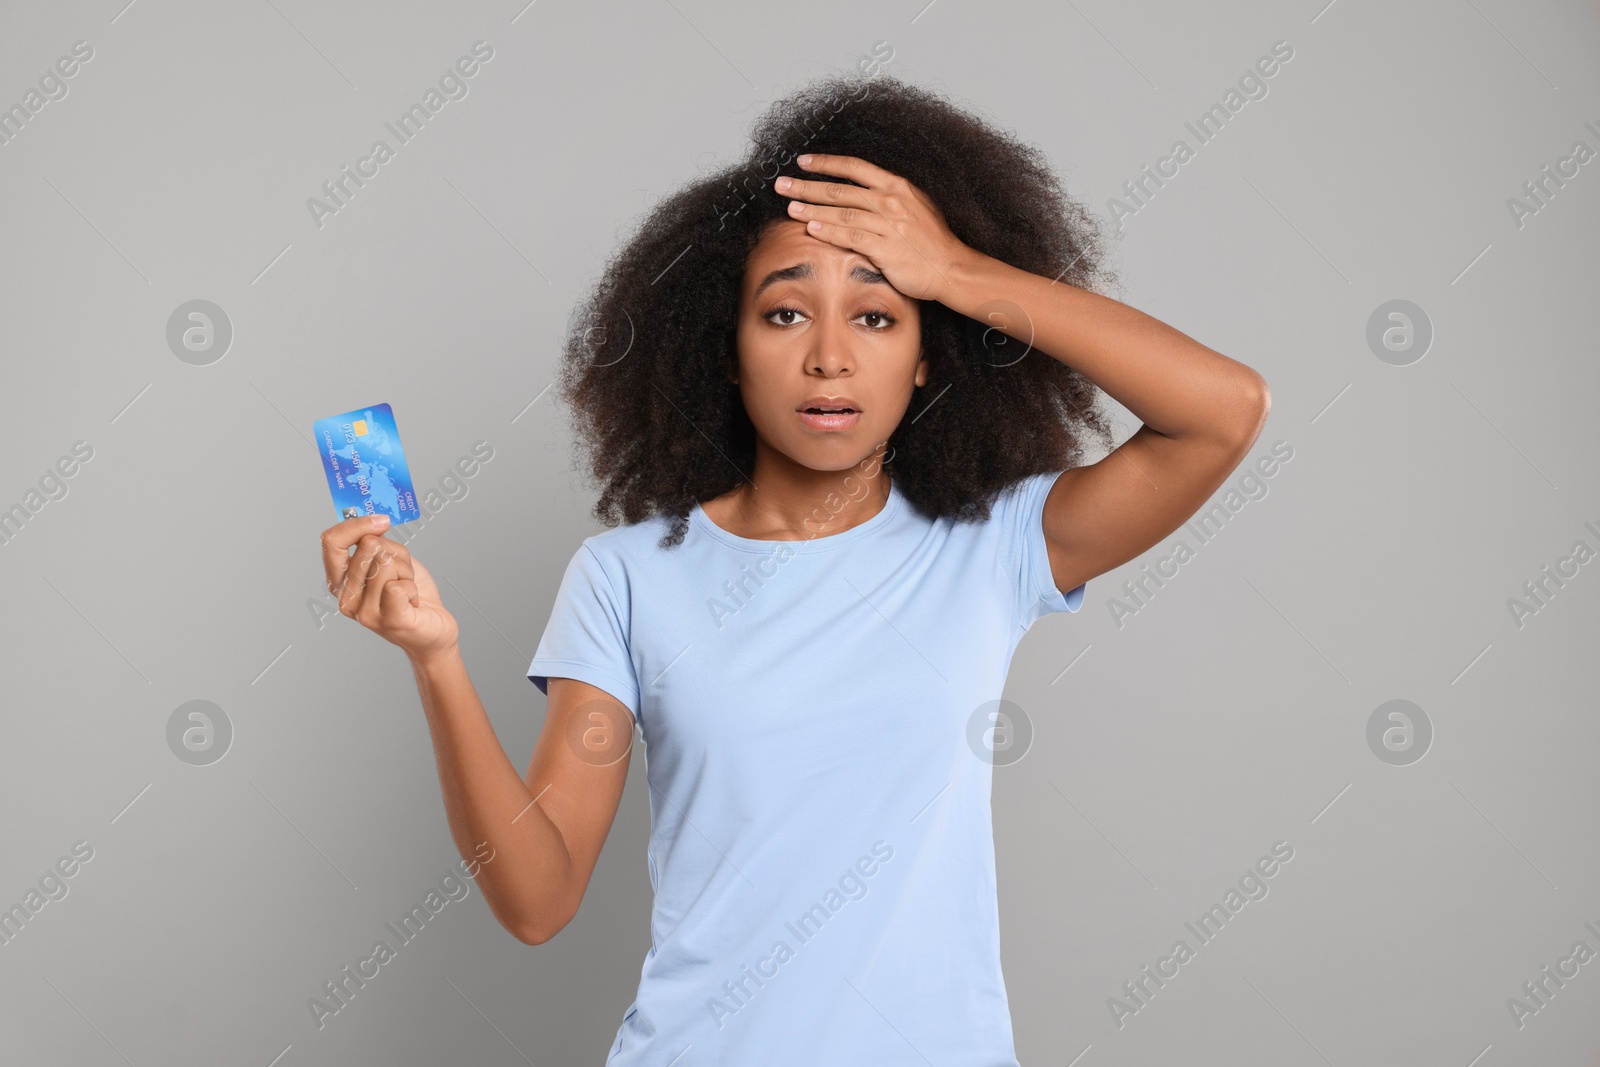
x,y
859,218
834,193
852,237
385,571
359,571
336,542
855,168
399,596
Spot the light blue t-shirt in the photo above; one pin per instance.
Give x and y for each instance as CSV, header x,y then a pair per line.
x,y
815,717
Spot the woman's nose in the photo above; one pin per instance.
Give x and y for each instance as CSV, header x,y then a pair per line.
x,y
831,352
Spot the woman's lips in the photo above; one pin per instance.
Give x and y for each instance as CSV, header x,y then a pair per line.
x,y
831,423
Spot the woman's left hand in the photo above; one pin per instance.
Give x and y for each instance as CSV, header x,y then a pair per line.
x,y
884,217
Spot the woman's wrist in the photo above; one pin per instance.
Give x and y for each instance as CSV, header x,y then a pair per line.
x,y
435,661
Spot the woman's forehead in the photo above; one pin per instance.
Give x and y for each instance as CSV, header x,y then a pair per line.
x,y
792,254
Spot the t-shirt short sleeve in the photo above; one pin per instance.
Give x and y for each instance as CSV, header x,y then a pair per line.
x,y
1018,516
587,635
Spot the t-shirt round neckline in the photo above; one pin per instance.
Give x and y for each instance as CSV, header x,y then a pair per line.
x,y
700,520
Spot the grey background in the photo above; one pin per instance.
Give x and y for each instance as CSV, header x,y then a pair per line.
x,y
1170,752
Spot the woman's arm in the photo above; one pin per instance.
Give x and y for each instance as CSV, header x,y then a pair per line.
x,y
546,829
1201,411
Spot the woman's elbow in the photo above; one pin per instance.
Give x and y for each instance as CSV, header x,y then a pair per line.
x,y
1254,404
531,934
530,929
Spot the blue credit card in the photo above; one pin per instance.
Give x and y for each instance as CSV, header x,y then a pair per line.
x,y
365,465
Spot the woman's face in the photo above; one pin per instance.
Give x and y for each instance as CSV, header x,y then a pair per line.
x,y
817,320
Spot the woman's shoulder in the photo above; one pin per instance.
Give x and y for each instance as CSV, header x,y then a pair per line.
x,y
632,544
1016,498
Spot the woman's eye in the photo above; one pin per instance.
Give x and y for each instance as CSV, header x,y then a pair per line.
x,y
784,310
885,320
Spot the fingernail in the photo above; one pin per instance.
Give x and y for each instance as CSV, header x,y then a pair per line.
x,y
783,183
380,521
804,160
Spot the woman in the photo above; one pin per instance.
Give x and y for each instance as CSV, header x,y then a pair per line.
x,y
837,404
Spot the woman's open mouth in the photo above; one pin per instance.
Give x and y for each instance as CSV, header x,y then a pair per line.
x,y
829,418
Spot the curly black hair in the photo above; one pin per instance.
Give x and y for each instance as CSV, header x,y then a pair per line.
x,y
655,338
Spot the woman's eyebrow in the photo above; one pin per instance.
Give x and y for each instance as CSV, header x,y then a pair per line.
x,y
858,273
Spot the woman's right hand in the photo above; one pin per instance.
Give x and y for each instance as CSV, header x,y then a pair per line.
x,y
384,589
